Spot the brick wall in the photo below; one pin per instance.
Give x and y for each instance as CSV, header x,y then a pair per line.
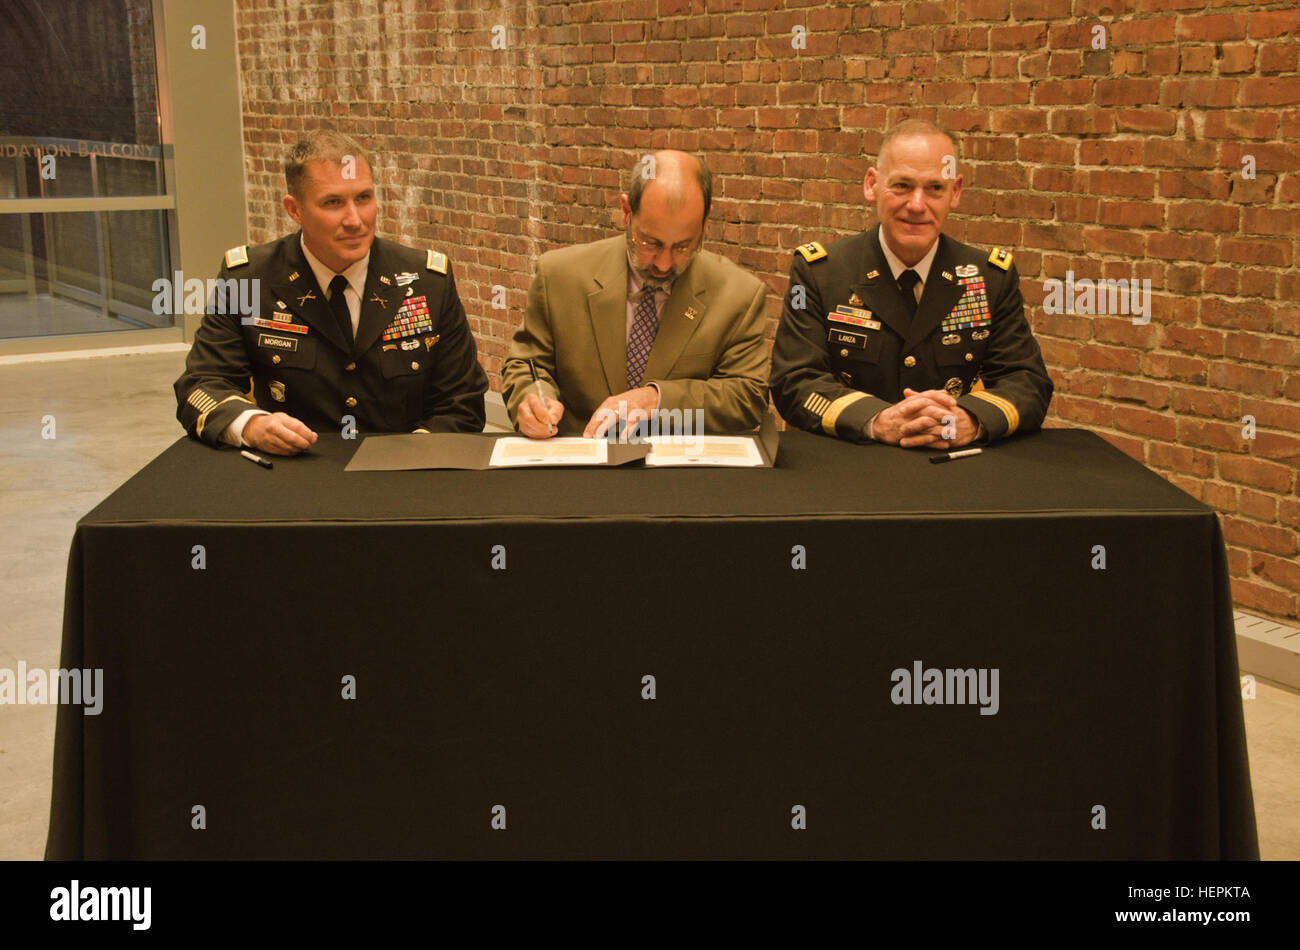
x,y
1122,161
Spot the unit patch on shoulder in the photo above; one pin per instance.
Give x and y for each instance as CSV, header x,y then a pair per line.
x,y
437,262
237,256
1000,258
812,251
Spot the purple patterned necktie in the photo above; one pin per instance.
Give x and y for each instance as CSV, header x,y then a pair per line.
x,y
641,337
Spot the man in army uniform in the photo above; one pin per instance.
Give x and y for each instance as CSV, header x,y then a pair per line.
x,y
349,330
900,334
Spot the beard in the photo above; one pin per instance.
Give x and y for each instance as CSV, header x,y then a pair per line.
x,y
646,271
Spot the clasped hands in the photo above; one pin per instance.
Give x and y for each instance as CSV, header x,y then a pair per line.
x,y
538,421
930,419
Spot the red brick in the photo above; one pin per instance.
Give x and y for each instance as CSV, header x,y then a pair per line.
x,y
1180,458
1219,497
1275,570
1169,366
1246,379
1277,445
1206,402
1212,28
1257,505
1258,536
1115,358
1153,425
1087,411
1260,597
1248,470
1269,92
1263,253
1288,512
1274,23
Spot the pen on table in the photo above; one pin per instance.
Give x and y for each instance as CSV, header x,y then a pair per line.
x,y
255,458
541,395
936,459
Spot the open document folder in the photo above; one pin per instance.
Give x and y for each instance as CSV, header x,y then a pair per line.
x,y
479,451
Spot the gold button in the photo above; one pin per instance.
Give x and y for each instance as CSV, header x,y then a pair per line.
x,y
350,401
909,362
350,367
275,358
969,357
415,364
844,352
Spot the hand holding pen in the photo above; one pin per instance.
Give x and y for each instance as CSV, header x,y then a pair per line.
x,y
537,415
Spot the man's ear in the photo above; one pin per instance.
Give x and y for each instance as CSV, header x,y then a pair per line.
x,y
291,205
869,185
627,208
956,192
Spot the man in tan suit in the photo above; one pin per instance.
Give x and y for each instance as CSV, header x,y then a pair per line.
x,y
646,323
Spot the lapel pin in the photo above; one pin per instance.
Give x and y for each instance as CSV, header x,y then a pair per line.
x,y
691,313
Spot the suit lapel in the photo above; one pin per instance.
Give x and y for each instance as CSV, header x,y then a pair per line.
x,y
380,302
607,310
683,312
303,296
940,295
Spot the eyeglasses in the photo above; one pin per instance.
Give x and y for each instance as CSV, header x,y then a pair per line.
x,y
652,248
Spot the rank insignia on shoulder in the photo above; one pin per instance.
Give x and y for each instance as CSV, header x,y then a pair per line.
x,y
237,256
1000,258
966,270
436,262
812,251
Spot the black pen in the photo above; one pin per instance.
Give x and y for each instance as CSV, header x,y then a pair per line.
x,y
936,459
541,395
255,458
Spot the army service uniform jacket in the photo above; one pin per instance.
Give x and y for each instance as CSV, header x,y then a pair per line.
x,y
708,353
846,348
412,366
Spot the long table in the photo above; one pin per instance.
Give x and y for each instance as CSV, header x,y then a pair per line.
x,y
633,663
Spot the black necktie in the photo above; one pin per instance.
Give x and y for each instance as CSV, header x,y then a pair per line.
x,y
907,281
339,305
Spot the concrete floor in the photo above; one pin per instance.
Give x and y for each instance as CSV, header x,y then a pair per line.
x,y
112,415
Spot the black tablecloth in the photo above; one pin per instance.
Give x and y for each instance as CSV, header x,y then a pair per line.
x,y
523,687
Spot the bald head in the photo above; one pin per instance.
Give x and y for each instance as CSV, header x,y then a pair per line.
x,y
674,181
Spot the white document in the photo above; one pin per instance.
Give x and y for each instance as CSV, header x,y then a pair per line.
x,y
566,451
737,451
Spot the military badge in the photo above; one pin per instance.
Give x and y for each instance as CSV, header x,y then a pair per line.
x,y
405,278
691,313
436,262
412,319
953,387
966,270
384,280
410,344
972,309
277,390
950,338
430,340
855,300
284,323
872,275
947,275
980,335
812,251
237,256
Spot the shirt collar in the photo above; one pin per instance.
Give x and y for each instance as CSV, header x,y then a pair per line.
x,y
355,273
922,267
